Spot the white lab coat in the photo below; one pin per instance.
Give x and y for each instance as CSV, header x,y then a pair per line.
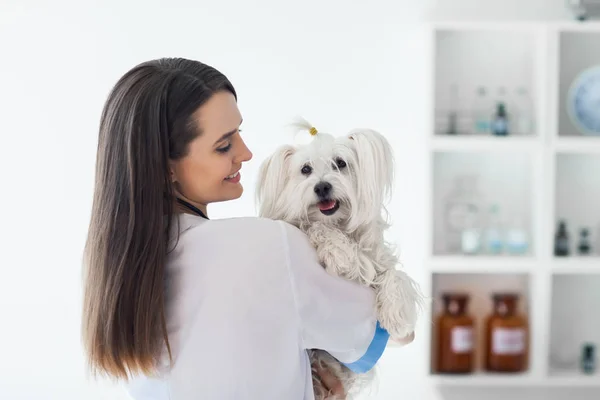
x,y
245,298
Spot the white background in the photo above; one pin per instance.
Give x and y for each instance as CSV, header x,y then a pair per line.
x,y
341,64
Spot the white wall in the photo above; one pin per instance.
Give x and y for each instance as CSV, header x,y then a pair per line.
x,y
341,64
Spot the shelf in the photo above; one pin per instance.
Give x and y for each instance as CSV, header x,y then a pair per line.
x,y
577,144
574,378
476,143
536,177
520,380
482,264
486,379
576,265
523,26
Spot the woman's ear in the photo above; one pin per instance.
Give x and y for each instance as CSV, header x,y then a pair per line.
x,y
172,173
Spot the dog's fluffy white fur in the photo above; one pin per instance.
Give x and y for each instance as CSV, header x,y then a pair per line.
x,y
334,189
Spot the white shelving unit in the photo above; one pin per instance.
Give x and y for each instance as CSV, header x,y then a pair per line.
x,y
547,174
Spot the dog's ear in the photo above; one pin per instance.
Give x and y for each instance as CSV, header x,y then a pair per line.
x,y
272,178
374,169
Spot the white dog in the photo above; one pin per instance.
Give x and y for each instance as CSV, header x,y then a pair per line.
x,y
334,189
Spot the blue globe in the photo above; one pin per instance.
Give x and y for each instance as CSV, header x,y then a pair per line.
x,y
583,101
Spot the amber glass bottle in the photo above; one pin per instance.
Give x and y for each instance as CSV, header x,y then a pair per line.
x,y
507,336
455,353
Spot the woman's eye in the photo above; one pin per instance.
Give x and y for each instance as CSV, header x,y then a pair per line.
x,y
224,149
306,170
340,163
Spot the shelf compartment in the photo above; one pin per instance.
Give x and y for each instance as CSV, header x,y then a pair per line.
x,y
464,64
574,322
577,197
502,179
479,287
578,52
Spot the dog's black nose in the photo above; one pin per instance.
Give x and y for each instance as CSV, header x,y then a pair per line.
x,y
323,189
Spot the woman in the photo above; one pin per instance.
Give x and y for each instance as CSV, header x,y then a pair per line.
x,y
184,307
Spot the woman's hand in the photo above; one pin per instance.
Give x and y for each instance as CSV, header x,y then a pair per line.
x,y
331,384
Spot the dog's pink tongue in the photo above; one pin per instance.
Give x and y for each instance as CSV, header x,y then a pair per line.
x,y
326,205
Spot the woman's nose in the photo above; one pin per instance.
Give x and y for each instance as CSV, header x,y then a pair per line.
x,y
245,154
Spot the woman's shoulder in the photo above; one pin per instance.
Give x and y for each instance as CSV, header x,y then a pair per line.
x,y
249,229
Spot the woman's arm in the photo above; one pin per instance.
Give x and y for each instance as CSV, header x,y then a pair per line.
x,y
334,314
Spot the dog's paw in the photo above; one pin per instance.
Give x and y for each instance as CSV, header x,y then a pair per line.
x,y
398,327
398,317
399,303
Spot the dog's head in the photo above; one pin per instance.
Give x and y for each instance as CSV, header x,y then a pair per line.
x,y
342,181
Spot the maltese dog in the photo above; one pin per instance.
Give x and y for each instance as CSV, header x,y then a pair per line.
x,y
334,189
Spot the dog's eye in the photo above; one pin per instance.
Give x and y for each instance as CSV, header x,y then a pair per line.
x,y
340,163
306,170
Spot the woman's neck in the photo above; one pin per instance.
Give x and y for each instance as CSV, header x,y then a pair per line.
x,y
181,208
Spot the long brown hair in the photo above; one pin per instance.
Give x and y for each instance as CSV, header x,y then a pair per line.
x,y
146,122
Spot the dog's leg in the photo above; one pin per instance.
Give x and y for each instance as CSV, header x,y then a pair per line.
x,y
336,252
398,303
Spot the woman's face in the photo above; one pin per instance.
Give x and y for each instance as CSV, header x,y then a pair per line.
x,y
210,172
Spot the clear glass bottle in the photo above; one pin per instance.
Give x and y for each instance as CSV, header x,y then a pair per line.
x,y
471,235
456,337
494,243
482,111
517,240
507,336
457,206
524,112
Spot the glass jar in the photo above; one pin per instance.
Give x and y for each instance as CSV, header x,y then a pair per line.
x,y
462,208
455,335
507,336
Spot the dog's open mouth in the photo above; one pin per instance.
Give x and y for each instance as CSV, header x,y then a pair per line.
x,y
328,207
